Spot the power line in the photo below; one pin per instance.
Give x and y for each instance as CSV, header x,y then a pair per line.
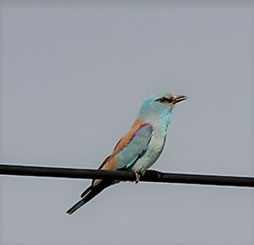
x,y
150,175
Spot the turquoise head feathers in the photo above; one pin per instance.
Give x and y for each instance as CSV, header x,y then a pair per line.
x,y
159,106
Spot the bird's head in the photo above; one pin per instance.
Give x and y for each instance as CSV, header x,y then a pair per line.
x,y
159,105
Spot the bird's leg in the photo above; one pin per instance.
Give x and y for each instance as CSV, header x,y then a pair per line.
x,y
138,176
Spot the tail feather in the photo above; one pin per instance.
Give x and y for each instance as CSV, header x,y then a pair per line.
x,y
86,191
87,195
76,206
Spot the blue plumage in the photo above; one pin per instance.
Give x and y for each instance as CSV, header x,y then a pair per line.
x,y
136,147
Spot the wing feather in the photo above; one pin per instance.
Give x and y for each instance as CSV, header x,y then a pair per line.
x,y
135,148
129,148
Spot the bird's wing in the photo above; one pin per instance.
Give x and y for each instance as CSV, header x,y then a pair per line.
x,y
135,148
130,147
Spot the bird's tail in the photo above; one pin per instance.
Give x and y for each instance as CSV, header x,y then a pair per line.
x,y
87,195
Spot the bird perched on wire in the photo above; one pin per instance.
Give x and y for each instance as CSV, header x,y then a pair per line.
x,y
140,147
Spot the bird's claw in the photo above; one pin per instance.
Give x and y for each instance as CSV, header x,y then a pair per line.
x,y
138,175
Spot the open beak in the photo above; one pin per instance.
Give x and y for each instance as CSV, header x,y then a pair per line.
x,y
179,98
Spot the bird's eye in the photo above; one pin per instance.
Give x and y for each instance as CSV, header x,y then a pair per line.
x,y
165,100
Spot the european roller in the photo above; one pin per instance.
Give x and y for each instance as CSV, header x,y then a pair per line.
x,y
140,147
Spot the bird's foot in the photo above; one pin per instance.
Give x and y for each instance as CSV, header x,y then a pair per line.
x,y
138,176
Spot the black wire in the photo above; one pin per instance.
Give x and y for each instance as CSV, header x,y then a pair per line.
x,y
150,175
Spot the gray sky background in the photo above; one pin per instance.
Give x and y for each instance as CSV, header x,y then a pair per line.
x,y
72,80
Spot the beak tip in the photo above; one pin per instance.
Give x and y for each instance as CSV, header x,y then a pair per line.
x,y
179,98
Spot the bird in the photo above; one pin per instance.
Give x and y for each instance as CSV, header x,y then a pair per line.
x,y
140,147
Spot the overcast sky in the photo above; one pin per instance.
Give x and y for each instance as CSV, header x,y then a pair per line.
x,y
72,81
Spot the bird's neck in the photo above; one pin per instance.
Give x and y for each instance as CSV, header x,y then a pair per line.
x,y
159,121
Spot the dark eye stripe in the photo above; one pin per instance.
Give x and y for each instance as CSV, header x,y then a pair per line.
x,y
165,100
